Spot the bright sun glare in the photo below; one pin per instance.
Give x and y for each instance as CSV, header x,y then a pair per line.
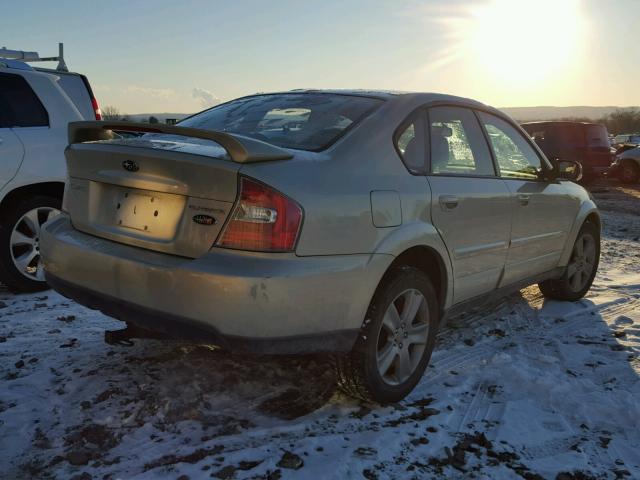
x,y
524,41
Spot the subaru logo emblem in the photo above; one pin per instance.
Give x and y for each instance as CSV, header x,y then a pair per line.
x,y
130,166
204,219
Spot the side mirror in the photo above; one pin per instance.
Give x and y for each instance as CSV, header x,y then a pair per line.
x,y
568,170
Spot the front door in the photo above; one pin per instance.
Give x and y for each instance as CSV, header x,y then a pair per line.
x,y
471,207
543,211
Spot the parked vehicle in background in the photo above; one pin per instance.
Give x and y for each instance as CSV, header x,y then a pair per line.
x,y
319,221
626,166
587,143
36,106
626,138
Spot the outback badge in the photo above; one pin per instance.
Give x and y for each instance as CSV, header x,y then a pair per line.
x,y
204,219
130,166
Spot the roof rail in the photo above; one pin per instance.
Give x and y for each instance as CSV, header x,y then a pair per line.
x,y
35,57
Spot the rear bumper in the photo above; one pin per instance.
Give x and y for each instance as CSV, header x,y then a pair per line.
x,y
263,303
185,328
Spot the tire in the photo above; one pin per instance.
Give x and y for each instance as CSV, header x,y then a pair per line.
x,y
20,223
629,172
359,372
582,266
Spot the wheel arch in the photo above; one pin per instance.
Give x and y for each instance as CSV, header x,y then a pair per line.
x,y
420,246
52,189
634,162
588,213
427,260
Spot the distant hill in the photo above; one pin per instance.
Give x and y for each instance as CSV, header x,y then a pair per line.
x,y
525,114
522,114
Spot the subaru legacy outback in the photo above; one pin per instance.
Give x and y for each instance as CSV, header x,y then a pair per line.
x,y
350,222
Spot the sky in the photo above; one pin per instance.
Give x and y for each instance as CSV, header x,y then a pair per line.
x,y
182,56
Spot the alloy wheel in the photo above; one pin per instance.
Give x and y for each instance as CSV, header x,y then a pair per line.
x,y
402,337
25,242
583,259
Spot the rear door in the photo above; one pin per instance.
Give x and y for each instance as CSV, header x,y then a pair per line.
x,y
11,154
471,206
543,211
43,140
16,107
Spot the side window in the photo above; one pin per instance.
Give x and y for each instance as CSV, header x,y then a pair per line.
x,y
19,105
515,156
457,143
410,142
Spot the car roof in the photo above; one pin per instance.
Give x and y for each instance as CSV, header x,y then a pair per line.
x,y
411,98
386,94
14,64
402,99
562,122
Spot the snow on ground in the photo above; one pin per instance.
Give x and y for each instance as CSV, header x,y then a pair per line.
x,y
528,388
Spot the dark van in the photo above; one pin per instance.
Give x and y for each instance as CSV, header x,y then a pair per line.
x,y
587,143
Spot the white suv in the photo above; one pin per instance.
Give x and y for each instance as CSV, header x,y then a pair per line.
x,y
36,106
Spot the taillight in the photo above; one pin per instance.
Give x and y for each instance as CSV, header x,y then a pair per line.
x,y
263,219
96,109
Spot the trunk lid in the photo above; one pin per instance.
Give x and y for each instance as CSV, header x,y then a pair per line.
x,y
164,196
170,190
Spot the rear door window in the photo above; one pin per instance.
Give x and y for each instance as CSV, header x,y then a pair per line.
x,y
457,143
19,105
304,121
597,136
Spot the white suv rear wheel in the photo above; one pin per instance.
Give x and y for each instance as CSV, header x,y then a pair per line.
x,y
20,224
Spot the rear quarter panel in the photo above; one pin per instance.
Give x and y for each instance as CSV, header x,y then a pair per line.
x,y
334,189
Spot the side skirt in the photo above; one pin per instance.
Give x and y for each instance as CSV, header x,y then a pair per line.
x,y
494,295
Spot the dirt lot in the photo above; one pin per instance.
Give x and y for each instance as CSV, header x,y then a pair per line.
x,y
613,196
525,389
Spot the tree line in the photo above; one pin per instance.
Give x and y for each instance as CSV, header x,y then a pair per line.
x,y
113,113
621,120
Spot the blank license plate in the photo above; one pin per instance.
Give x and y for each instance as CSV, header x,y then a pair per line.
x,y
137,211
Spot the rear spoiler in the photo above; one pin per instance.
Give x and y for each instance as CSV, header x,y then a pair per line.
x,y
241,149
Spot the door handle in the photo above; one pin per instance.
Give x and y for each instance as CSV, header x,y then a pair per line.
x,y
448,202
524,199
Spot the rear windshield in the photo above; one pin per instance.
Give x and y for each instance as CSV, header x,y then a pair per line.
x,y
597,136
303,121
